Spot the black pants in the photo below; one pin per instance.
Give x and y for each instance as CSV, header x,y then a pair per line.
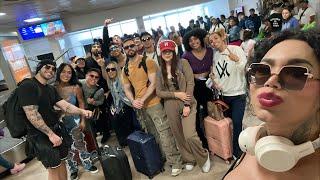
x,y
202,94
124,123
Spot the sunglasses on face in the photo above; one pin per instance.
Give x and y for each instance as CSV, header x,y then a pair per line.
x,y
114,47
129,46
167,52
47,67
111,69
93,76
79,60
146,39
290,77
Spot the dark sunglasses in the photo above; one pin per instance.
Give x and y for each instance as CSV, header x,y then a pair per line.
x,y
114,47
93,76
145,39
129,46
291,77
79,60
111,69
47,67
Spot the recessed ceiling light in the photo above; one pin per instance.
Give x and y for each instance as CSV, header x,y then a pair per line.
x,y
2,14
32,20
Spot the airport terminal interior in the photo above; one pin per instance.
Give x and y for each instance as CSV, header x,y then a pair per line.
x,y
136,124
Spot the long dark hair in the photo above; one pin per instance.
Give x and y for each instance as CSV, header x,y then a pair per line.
x,y
174,64
74,78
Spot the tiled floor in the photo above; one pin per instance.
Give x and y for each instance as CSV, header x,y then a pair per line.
x,y
35,171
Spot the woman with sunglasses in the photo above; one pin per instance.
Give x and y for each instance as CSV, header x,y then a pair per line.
x,y
68,88
175,85
228,72
284,93
123,119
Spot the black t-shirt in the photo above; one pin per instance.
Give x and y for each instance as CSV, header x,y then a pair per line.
x,y
276,22
28,94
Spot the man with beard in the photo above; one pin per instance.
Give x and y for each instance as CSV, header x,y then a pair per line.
x,y
150,111
149,47
117,54
137,41
47,138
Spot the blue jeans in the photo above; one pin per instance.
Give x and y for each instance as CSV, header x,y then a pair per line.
x,y
236,109
6,164
78,144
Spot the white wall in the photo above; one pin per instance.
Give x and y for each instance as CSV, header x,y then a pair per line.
x,y
218,7
248,4
75,23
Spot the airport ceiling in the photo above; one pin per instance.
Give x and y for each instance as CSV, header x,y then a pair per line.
x,y
19,10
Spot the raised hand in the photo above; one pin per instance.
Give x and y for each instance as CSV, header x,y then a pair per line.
x,y
108,21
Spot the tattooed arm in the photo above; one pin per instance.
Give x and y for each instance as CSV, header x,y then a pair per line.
x,y
37,121
71,109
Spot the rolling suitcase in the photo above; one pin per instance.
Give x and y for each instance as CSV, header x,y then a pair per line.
x,y
219,135
145,153
114,162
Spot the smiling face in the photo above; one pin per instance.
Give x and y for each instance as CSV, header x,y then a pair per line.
x,y
66,74
286,14
194,42
296,106
47,71
111,70
92,78
167,55
216,41
147,41
130,48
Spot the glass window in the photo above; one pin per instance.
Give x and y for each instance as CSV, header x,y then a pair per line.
x,y
114,29
129,27
97,32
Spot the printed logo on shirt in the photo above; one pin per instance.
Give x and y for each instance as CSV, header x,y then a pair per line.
x,y
222,69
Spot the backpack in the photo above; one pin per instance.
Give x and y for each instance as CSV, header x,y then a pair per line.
x,y
142,63
14,115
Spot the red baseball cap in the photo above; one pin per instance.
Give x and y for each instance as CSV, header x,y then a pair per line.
x,y
167,45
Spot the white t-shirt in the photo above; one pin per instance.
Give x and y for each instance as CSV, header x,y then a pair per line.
x,y
153,56
247,46
305,18
230,75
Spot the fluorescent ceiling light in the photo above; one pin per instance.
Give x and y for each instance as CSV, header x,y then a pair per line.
x,y
2,14
32,20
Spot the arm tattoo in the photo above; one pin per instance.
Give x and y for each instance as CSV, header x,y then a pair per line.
x,y
36,119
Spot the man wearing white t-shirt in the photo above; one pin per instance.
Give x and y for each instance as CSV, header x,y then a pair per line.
x,y
306,14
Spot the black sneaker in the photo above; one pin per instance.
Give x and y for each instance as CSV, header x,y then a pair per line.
x,y
92,169
74,176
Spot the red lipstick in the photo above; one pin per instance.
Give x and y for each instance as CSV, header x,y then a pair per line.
x,y
269,99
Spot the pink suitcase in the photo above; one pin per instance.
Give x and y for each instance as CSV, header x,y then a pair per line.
x,y
219,136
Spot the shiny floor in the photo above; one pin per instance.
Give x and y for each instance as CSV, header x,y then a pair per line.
x,y
35,171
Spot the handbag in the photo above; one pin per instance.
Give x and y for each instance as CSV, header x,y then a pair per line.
x,y
216,107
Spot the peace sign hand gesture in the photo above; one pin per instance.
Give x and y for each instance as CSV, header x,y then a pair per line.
x,y
108,21
232,56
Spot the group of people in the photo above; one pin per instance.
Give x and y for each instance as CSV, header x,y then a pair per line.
x,y
158,85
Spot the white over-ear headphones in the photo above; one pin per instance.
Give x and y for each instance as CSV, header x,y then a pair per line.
x,y
274,153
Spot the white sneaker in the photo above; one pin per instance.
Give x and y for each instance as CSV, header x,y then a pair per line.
x,y
206,166
189,167
175,172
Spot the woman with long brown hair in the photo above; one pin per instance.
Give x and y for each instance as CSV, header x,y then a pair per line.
x,y
175,84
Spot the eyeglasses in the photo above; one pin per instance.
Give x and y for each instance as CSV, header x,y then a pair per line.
x,y
129,46
146,39
93,76
291,77
113,47
47,67
111,69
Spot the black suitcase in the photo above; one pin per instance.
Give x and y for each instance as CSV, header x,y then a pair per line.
x,y
114,162
145,153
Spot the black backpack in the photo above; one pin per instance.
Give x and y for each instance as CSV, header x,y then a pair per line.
x,y
14,115
141,64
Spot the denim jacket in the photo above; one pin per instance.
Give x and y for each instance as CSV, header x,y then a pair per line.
x,y
118,95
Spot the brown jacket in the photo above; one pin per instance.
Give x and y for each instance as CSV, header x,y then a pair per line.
x,y
185,81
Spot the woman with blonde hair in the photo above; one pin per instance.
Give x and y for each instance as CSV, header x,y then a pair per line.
x,y
228,72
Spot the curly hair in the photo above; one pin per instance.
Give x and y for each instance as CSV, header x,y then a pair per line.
x,y
311,37
198,33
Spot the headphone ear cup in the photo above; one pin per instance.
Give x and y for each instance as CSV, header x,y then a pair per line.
x,y
276,153
248,138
